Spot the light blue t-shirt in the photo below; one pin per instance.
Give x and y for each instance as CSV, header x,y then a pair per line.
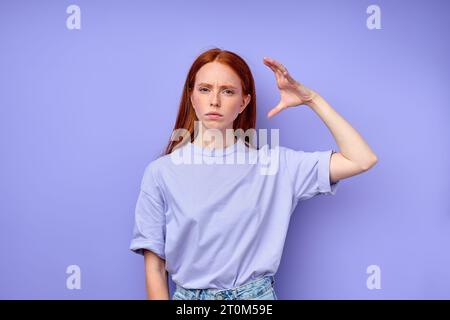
x,y
220,221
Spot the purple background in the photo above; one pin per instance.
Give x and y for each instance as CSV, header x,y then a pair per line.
x,y
84,111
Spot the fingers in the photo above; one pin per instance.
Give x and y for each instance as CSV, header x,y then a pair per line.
x,y
273,68
278,68
276,65
277,73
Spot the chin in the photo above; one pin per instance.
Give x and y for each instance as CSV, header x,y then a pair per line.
x,y
214,125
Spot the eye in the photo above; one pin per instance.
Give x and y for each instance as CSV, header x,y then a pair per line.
x,y
201,89
230,92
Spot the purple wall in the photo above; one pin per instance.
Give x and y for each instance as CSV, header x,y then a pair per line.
x,y
83,111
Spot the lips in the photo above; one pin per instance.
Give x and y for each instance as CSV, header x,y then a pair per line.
x,y
214,114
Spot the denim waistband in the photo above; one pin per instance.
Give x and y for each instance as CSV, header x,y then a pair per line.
x,y
265,280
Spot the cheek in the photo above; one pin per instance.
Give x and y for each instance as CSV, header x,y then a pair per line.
x,y
233,106
199,100
237,105
195,101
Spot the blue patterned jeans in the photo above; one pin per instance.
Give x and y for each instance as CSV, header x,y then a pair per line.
x,y
259,289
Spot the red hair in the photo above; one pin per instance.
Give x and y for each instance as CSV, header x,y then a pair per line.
x,y
186,114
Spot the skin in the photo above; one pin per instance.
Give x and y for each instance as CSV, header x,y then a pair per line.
x,y
355,155
156,277
217,88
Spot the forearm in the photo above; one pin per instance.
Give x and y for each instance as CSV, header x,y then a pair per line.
x,y
157,285
352,146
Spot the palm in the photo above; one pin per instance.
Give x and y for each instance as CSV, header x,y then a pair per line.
x,y
292,93
288,93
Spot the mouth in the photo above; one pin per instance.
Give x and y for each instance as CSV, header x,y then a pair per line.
x,y
214,115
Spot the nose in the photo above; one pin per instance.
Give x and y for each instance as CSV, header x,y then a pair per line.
x,y
215,100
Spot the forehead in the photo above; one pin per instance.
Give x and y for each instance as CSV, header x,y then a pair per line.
x,y
217,73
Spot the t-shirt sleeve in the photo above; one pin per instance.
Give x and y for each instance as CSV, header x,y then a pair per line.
x,y
149,230
309,173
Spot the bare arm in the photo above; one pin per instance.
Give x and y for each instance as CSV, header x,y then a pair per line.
x,y
156,278
355,155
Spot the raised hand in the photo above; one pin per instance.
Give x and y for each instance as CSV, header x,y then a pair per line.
x,y
292,93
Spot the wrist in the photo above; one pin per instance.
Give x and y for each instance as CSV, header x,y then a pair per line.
x,y
314,101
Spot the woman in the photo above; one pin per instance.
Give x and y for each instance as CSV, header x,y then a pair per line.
x,y
219,227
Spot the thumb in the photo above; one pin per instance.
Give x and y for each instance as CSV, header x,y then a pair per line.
x,y
275,110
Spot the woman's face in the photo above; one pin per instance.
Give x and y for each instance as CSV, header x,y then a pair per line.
x,y
218,89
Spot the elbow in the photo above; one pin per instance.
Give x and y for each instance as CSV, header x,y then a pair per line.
x,y
369,164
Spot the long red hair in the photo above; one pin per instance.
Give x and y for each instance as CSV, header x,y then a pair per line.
x,y
186,115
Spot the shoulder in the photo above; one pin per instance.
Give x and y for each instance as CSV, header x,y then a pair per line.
x,y
295,159
271,159
153,172
278,152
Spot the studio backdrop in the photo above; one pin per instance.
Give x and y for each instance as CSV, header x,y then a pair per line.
x,y
89,95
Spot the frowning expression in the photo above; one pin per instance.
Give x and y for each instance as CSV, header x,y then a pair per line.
x,y
217,96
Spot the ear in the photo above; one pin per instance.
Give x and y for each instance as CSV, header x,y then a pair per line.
x,y
190,99
246,101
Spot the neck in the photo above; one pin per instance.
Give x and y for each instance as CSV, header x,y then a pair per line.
x,y
214,138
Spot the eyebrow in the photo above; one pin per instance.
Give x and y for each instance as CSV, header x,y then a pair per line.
x,y
224,86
